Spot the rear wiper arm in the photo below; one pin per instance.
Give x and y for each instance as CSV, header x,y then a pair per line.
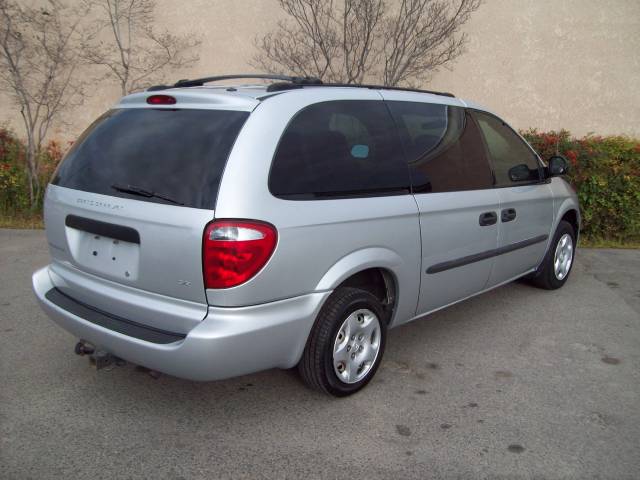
x,y
134,190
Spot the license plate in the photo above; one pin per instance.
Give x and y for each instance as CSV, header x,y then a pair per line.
x,y
104,255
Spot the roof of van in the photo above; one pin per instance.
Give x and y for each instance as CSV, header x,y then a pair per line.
x,y
247,96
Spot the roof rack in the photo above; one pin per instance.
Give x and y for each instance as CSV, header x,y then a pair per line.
x,y
287,82
276,87
198,82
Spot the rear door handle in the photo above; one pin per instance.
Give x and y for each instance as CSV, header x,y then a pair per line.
x,y
508,214
488,218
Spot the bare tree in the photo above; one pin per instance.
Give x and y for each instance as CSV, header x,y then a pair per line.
x,y
38,62
128,46
349,41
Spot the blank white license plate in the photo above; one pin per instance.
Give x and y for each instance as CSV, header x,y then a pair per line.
x,y
103,254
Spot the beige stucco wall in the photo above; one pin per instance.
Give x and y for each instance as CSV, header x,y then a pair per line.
x,y
554,64
548,64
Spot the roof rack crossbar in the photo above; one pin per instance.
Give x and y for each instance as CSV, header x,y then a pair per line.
x,y
286,78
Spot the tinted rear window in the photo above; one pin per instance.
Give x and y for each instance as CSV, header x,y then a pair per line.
x,y
178,154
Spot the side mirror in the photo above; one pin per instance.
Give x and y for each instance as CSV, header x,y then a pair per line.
x,y
558,165
520,173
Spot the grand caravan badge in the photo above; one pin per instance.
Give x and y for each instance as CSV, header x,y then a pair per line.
x,y
93,203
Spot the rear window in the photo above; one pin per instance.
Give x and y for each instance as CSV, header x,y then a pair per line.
x,y
179,155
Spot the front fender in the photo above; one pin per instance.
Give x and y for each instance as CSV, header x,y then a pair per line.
x,y
564,206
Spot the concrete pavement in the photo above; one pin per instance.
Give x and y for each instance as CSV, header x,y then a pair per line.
x,y
516,383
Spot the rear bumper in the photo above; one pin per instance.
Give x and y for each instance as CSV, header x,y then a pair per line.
x,y
229,342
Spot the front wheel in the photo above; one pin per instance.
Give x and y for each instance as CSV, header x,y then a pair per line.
x,y
346,343
557,263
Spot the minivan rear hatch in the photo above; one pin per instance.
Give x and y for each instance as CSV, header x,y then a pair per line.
x,y
126,211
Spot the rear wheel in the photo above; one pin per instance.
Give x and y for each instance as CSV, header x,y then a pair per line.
x,y
346,344
556,266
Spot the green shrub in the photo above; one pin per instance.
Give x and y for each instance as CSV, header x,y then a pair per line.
x,y
605,171
14,196
14,185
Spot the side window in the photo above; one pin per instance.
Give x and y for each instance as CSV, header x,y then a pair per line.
x,y
444,147
339,148
513,162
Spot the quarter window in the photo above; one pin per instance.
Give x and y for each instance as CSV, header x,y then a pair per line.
x,y
339,148
513,161
443,146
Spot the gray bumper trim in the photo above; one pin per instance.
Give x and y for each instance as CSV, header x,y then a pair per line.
x,y
112,322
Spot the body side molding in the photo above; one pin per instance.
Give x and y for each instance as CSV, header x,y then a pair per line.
x,y
477,257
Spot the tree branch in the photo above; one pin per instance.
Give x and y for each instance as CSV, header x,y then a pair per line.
x,y
136,55
359,39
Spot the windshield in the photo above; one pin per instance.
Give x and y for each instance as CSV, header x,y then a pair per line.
x,y
175,154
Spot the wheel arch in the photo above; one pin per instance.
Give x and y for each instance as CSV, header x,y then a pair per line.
x,y
371,269
572,216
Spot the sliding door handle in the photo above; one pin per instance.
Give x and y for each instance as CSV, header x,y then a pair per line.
x,y
508,214
488,218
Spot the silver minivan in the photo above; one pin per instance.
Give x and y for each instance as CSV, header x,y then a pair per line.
x,y
213,231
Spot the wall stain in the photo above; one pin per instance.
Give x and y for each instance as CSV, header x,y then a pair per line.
x,y
610,360
515,448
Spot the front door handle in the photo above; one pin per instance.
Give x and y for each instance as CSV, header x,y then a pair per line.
x,y
508,214
488,218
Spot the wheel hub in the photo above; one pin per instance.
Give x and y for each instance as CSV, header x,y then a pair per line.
x,y
563,257
356,346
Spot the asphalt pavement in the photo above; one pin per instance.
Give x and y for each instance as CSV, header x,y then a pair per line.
x,y
516,383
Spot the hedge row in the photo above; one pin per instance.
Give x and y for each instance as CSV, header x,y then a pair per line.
x,y
14,186
604,170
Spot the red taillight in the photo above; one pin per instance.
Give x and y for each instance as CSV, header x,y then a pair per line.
x,y
161,100
233,252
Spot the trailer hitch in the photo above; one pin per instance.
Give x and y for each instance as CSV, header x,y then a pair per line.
x,y
98,359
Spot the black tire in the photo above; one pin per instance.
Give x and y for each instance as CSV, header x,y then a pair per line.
x,y
316,366
546,277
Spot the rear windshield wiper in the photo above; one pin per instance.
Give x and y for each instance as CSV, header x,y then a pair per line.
x,y
134,190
